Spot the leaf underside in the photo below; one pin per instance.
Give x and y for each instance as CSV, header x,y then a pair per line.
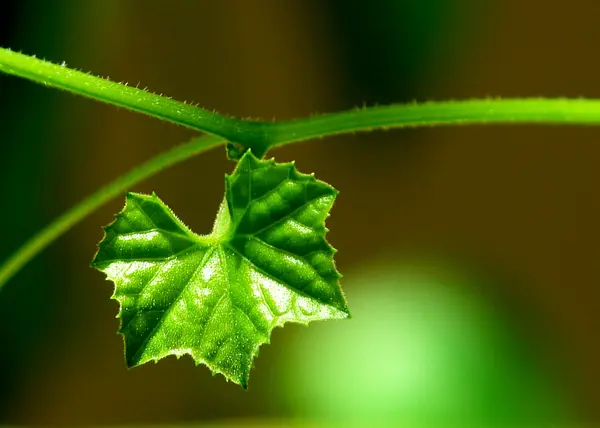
x,y
217,297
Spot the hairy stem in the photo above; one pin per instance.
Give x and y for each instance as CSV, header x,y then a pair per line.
x,y
261,136
529,110
129,97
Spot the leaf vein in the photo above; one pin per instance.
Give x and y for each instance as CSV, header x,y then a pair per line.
x,y
160,322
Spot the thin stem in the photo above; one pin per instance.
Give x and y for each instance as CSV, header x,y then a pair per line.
x,y
129,97
73,216
469,112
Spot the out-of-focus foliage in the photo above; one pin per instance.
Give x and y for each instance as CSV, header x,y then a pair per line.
x,y
421,349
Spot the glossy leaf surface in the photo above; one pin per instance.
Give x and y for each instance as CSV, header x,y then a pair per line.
x,y
217,297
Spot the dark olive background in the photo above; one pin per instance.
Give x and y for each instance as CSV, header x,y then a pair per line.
x,y
519,201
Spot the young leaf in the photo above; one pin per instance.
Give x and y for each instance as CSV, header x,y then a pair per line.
x,y
217,297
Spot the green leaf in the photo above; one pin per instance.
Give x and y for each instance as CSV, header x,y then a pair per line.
x,y
217,297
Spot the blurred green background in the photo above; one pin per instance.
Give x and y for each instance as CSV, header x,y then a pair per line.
x,y
470,254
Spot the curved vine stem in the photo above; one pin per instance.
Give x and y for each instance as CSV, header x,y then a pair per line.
x,y
260,136
90,204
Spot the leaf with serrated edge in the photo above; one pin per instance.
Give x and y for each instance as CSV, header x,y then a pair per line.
x,y
217,297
